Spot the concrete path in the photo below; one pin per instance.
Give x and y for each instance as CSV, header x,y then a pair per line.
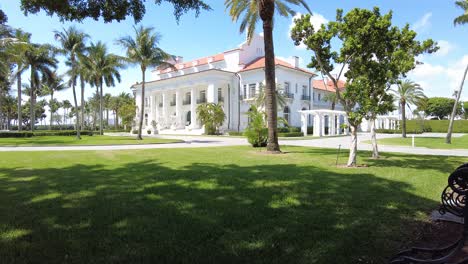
x,y
221,141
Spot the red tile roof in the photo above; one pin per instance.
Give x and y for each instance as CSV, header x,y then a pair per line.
x,y
197,62
319,84
259,63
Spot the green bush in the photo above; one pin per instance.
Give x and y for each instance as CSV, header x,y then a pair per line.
x,y
439,126
135,131
256,132
116,130
291,134
288,129
22,134
391,131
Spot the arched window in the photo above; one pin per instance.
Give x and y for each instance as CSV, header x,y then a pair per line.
x,y
286,113
188,118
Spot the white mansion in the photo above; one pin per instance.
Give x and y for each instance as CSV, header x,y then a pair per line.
x,y
233,79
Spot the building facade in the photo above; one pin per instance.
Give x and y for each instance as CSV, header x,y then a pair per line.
x,y
232,79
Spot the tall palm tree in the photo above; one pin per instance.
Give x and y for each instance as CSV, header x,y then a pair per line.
x,y
17,55
103,68
252,10
408,93
51,85
463,19
107,103
66,105
41,61
73,43
143,50
84,78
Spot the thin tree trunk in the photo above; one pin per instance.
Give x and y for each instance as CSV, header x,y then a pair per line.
x,y
31,99
266,10
19,101
50,106
116,120
403,119
375,148
82,84
107,116
77,121
100,111
448,138
142,105
353,148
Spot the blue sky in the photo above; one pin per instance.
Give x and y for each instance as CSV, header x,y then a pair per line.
x,y
214,32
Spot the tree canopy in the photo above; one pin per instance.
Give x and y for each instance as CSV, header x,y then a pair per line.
x,y
108,10
441,107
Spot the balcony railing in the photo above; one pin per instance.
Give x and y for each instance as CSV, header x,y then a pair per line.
x,y
201,101
186,102
305,97
172,103
288,95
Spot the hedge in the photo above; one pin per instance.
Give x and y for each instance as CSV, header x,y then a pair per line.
x,y
391,131
235,133
291,134
439,126
23,134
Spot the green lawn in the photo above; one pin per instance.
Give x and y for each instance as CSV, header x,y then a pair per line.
x,y
85,141
212,205
427,142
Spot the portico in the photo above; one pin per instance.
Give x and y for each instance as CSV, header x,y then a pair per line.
x,y
323,118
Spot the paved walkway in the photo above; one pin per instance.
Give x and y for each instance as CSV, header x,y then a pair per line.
x,y
213,141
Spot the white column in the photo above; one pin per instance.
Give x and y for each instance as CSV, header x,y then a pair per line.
x,y
193,106
317,127
322,123
156,107
212,93
178,105
333,125
338,124
164,109
304,123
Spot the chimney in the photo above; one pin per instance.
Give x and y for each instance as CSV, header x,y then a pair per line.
x,y
296,61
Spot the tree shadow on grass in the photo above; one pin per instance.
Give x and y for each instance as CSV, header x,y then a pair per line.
x,y
146,212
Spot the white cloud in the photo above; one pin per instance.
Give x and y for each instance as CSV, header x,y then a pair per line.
x,y
317,20
423,23
445,48
441,80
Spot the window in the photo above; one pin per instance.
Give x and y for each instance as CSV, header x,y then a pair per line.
x,y
286,113
252,90
220,94
286,87
296,88
146,101
304,89
188,118
188,99
203,95
319,97
244,95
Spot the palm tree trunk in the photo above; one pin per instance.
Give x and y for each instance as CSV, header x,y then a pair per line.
x,y
31,99
20,118
116,120
50,106
353,148
100,111
266,10
77,121
107,116
448,138
142,105
403,119
82,103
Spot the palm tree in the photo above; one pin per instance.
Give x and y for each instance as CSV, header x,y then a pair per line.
x,y
84,78
41,61
107,102
408,93
17,55
144,51
116,104
260,98
463,19
252,10
51,85
72,43
103,68
66,105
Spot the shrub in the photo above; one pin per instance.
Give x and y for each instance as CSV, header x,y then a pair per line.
x,y
212,116
235,133
22,134
256,132
291,134
439,126
391,131
148,131
135,131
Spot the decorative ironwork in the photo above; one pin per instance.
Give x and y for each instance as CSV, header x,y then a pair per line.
x,y
453,201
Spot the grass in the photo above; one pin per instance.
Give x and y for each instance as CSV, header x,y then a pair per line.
x,y
427,142
212,205
85,141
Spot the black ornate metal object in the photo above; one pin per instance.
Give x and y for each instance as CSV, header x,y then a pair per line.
x,y
453,201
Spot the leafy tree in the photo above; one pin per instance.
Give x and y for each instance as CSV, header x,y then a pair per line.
x,y
127,110
463,19
9,107
252,11
50,85
256,132
66,105
72,42
331,97
212,116
77,10
103,68
441,107
375,52
41,61
143,50
408,93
